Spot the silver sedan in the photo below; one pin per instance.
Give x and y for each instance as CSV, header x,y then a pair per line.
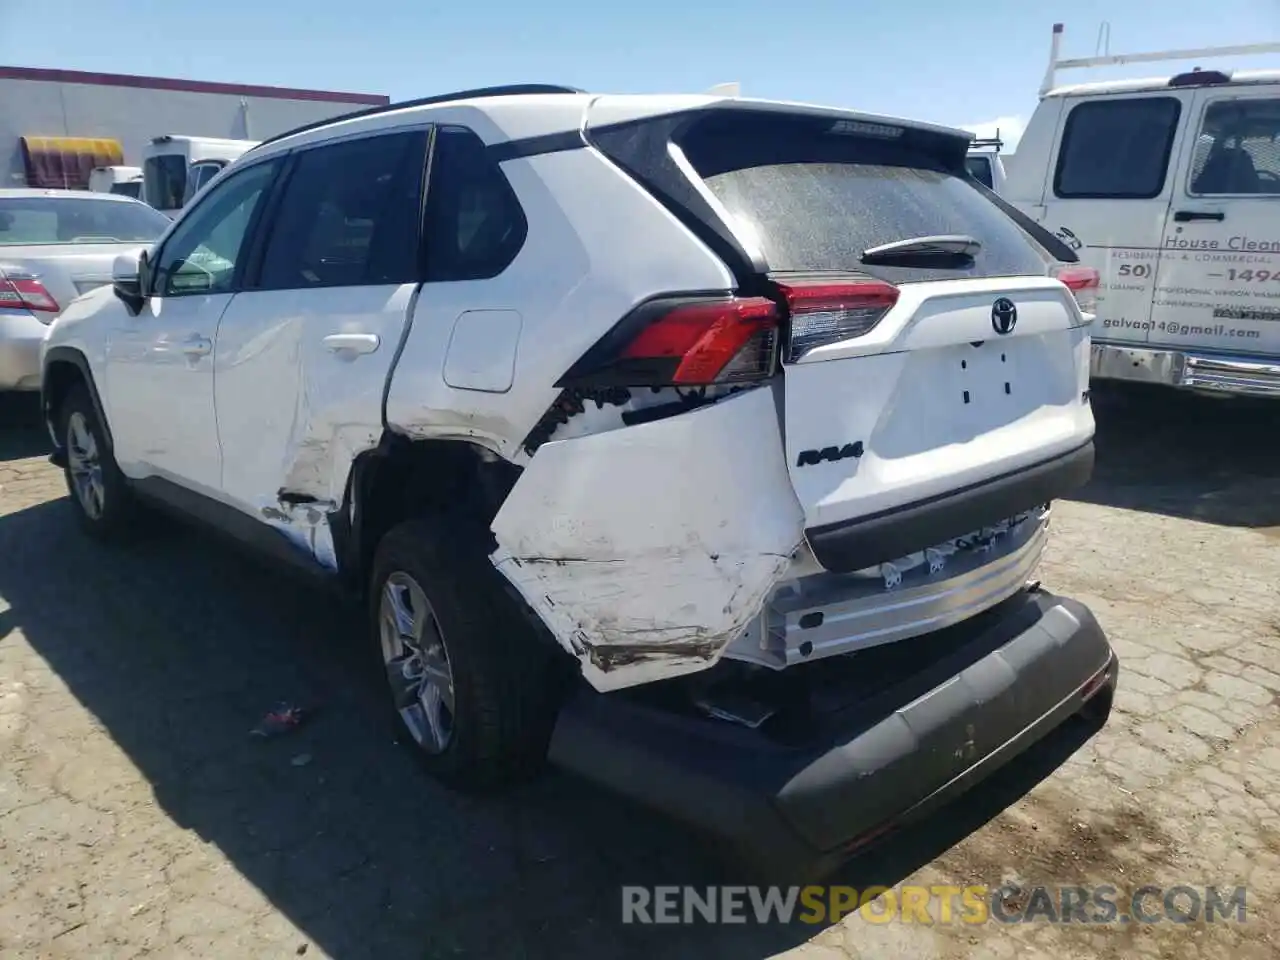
x,y
54,246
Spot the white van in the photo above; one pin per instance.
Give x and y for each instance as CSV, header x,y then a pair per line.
x,y
174,168
126,181
1170,187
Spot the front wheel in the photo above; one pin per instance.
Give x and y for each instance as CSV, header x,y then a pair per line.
x,y
100,496
470,685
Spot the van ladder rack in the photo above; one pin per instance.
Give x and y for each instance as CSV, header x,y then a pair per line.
x,y
1110,60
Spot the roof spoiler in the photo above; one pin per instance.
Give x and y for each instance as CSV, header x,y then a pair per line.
x,y
1107,59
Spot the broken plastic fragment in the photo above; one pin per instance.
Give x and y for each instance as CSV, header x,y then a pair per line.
x,y
283,718
892,575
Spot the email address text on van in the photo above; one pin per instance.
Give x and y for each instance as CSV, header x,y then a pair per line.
x,y
1183,329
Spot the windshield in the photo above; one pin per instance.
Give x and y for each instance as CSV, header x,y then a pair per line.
x,y
164,181
32,220
131,188
980,168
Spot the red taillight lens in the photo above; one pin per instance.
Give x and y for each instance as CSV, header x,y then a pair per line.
x,y
1083,282
823,312
685,342
25,291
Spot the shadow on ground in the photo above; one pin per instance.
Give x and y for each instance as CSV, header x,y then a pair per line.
x,y
1183,455
178,646
21,432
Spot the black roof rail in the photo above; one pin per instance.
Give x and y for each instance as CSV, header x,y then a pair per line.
x,y
508,90
1198,78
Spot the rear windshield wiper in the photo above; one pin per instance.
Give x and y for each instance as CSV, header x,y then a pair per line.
x,y
953,247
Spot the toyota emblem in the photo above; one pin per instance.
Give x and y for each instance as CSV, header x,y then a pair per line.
x,y
1004,316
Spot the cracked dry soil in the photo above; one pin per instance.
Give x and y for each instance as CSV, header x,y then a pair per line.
x,y
138,818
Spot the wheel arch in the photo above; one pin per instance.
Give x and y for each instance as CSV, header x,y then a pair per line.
x,y
63,368
401,478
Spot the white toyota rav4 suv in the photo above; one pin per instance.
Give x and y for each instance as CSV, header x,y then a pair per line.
x,y
705,444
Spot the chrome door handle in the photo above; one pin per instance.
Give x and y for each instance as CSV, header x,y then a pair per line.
x,y
352,342
197,346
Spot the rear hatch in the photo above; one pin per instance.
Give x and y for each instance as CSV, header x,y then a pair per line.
x,y
928,346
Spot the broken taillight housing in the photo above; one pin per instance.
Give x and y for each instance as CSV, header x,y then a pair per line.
x,y
1084,283
822,311
25,291
684,341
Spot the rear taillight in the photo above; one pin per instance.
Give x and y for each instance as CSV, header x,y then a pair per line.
x,y
823,312
24,290
685,342
1083,282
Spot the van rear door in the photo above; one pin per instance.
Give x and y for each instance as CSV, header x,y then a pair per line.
x,y
1218,285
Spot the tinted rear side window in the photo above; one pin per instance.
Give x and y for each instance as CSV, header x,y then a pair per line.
x,y
349,215
814,200
1116,149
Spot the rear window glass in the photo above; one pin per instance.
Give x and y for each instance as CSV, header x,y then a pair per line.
x,y
813,200
164,181
31,220
1116,149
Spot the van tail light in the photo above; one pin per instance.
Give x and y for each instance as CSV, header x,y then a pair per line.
x,y
824,311
24,291
684,341
1084,283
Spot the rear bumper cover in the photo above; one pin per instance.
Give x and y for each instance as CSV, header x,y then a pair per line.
x,y
867,540
21,336
1028,666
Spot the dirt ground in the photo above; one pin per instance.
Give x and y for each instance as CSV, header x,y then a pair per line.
x,y
138,818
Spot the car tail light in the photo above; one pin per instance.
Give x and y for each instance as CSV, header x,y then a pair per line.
x,y
1083,282
685,342
24,290
823,312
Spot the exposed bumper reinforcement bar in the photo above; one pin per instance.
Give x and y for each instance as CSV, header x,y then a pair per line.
x,y
1216,372
813,792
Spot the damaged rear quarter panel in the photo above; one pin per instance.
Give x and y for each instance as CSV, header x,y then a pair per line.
x,y
647,550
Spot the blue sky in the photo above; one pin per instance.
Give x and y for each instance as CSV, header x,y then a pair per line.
x,y
966,64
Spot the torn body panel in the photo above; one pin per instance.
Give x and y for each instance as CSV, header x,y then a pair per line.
x,y
647,550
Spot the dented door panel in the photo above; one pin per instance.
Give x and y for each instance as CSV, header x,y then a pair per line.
x,y
646,550
296,402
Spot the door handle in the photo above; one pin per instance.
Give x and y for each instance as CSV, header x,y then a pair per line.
x,y
197,346
352,342
1186,216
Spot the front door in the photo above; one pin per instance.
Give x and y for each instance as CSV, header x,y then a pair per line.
x,y
160,362
1219,283
1108,196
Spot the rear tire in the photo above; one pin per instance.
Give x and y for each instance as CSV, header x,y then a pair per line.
x,y
104,505
439,617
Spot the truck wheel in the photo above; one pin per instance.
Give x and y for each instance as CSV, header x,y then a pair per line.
x,y
100,496
470,684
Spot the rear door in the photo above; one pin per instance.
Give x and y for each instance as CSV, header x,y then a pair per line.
x,y
1110,184
303,353
906,376
1219,276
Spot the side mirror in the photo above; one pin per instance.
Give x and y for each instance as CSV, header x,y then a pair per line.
x,y
127,275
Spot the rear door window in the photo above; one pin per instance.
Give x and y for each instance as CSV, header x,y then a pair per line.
x,y
813,197
1116,149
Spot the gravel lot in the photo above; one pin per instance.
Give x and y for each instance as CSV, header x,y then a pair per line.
x,y
137,817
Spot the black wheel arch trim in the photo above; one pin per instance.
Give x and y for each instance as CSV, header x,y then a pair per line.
x,y
77,359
